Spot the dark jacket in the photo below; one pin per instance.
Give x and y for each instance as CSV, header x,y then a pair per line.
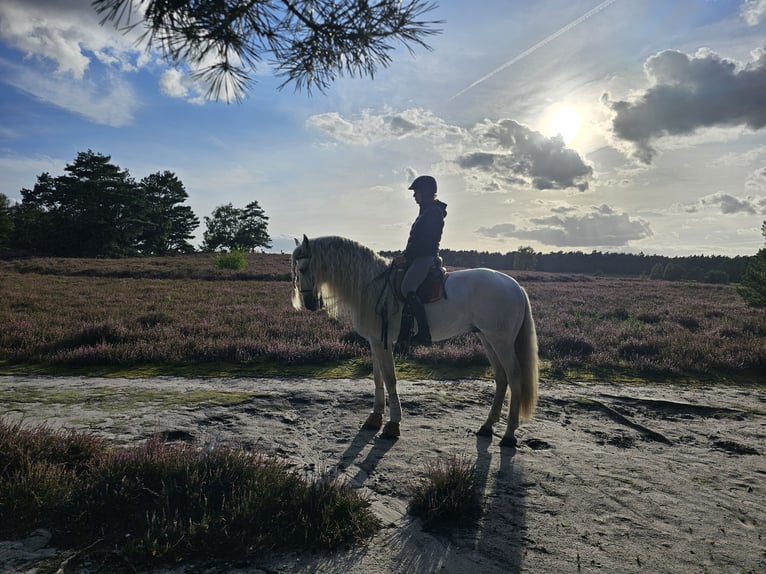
x,y
426,231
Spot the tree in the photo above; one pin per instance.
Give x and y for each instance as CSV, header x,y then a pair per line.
x,y
94,210
233,228
524,259
169,226
309,42
6,222
753,286
98,210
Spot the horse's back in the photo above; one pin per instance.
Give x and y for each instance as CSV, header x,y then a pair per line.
x,y
481,282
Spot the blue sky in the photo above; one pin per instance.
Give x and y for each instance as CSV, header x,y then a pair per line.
x,y
660,106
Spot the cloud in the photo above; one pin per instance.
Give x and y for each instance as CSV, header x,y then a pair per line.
x,y
519,154
729,204
61,40
753,11
689,93
65,33
598,227
371,128
497,154
111,102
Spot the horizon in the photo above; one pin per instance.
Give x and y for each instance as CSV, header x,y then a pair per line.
x,y
612,126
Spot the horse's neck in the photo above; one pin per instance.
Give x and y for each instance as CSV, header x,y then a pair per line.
x,y
350,272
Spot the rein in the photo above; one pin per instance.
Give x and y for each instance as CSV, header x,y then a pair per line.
x,y
382,310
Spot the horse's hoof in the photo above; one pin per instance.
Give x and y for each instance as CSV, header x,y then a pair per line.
x,y
373,422
485,430
509,441
391,430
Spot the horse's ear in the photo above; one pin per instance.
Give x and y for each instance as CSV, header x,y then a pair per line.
x,y
306,242
297,243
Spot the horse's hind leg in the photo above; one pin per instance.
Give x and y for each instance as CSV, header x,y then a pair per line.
x,y
501,385
507,370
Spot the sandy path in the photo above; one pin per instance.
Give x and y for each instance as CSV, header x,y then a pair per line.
x,y
606,478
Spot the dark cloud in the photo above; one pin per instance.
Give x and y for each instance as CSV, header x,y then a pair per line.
x,y
600,227
689,93
518,155
730,204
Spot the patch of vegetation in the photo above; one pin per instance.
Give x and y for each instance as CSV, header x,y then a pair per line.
x,y
448,495
234,259
161,501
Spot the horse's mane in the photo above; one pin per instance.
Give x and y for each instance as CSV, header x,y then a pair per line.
x,y
350,278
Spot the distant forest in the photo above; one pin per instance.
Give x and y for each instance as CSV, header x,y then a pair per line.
x,y
710,269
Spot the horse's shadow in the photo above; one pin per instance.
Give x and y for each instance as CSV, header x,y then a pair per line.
x,y
496,539
366,466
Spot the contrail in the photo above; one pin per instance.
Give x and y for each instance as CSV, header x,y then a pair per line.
x,y
539,45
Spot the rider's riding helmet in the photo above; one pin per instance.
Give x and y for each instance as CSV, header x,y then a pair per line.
x,y
424,184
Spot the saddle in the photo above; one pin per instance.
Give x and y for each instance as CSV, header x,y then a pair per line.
x,y
432,288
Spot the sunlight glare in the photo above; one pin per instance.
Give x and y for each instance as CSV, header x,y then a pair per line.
x,y
564,121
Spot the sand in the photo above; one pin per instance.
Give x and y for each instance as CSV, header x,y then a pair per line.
x,y
606,477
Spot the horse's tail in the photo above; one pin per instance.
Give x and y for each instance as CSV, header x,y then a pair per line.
x,y
526,353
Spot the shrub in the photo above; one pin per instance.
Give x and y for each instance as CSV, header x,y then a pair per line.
x,y
234,259
168,501
448,494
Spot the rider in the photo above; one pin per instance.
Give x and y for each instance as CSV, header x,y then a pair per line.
x,y
418,256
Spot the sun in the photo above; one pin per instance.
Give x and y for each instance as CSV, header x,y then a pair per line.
x,y
564,121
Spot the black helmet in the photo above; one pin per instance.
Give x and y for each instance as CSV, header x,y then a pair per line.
x,y
425,184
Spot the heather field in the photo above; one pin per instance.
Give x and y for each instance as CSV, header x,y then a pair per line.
x,y
165,314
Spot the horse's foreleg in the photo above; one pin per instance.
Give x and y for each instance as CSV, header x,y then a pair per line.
x,y
384,358
375,420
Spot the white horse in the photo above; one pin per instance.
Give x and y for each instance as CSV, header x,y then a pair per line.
x,y
344,275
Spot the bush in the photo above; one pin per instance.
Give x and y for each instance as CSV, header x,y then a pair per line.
x,y
168,501
448,495
234,259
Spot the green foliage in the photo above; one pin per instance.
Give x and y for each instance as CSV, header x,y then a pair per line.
x,y
166,501
6,222
656,272
753,286
232,228
98,210
673,272
309,43
717,277
448,494
234,259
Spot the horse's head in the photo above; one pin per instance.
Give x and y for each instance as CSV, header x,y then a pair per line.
x,y
305,292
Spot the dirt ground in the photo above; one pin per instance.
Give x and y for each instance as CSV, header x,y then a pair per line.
x,y
606,478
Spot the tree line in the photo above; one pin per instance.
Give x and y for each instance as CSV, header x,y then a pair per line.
x,y
96,209
709,268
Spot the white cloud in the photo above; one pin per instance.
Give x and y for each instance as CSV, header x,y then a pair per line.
x,y
172,83
495,155
111,103
753,11
65,33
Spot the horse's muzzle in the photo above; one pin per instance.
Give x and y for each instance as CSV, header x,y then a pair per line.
x,y
310,300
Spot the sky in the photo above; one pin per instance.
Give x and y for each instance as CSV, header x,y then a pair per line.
x,y
562,125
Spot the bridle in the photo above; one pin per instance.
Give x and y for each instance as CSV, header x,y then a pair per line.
x,y
307,290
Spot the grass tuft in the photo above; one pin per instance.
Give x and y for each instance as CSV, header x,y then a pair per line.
x,y
448,494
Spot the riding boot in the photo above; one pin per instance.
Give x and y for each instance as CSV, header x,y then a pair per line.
x,y
423,336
